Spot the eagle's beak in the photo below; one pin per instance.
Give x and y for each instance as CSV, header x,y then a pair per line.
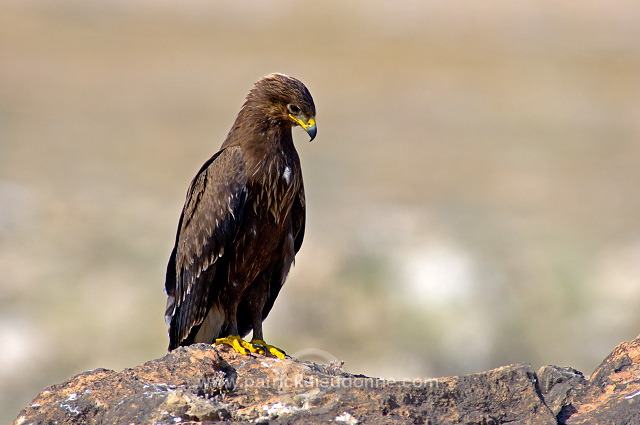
x,y
311,129
309,126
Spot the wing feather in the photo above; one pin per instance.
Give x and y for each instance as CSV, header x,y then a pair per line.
x,y
298,217
208,224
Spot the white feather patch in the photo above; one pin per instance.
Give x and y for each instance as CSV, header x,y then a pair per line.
x,y
211,326
286,174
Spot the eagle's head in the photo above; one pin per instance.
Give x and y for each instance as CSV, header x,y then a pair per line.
x,y
284,100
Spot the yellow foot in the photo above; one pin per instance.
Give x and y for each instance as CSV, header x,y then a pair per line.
x,y
266,348
240,345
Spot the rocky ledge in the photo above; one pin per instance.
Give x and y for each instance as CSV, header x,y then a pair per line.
x,y
204,384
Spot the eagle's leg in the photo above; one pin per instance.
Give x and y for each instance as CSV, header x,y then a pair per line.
x,y
274,351
234,340
259,341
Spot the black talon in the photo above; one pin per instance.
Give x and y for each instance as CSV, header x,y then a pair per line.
x,y
262,347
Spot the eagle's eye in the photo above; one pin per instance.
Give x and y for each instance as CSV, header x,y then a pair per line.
x,y
293,109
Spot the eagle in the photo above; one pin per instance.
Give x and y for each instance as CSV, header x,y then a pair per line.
x,y
242,224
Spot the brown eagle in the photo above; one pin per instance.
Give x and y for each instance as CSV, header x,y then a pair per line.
x,y
242,224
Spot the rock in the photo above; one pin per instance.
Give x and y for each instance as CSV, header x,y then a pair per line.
x,y
560,386
209,384
613,394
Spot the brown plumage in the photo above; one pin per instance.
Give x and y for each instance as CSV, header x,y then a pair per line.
x,y
243,220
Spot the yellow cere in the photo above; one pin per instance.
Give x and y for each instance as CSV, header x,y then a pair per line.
x,y
310,123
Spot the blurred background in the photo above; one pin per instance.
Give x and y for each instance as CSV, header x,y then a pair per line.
x,y
473,192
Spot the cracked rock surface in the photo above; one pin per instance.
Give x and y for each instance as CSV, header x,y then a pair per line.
x,y
213,384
